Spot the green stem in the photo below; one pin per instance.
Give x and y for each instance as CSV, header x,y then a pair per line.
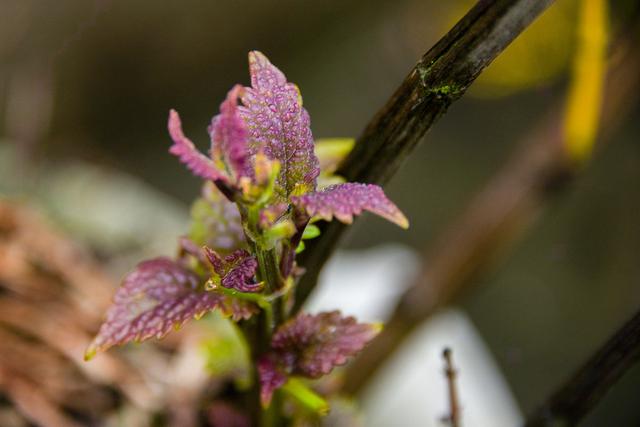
x,y
264,271
271,304
270,417
264,249
259,299
308,398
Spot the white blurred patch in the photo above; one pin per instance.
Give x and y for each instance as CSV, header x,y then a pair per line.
x,y
365,283
412,391
411,388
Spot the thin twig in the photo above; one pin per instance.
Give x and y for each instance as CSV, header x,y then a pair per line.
x,y
441,77
499,214
574,399
454,418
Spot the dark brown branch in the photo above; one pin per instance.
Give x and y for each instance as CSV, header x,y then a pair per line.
x,y
441,76
584,390
453,419
496,218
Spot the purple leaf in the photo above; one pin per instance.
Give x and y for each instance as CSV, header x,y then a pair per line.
x,y
229,136
157,296
188,248
188,154
312,345
280,126
271,376
346,200
237,308
236,270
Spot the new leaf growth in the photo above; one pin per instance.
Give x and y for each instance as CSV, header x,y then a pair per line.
x,y
263,187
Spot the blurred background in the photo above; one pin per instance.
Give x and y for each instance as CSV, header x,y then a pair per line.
x,y
85,90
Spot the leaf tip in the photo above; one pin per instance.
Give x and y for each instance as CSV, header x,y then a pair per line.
x,y
174,124
377,327
255,56
401,220
90,353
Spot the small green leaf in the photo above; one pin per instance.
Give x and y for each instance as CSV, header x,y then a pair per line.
x,y
311,232
308,398
300,247
225,351
281,230
331,151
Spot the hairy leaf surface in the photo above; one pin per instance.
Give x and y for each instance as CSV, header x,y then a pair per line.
x,y
280,126
272,377
346,200
236,270
157,296
188,154
312,345
229,137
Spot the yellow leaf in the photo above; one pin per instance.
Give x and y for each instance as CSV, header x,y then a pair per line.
x,y
584,100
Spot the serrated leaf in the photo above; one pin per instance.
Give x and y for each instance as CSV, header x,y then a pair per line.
x,y
156,297
188,154
236,270
343,201
215,222
271,377
312,345
229,137
230,158
237,308
280,126
327,180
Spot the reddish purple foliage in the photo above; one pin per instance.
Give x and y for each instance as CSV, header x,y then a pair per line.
x,y
237,309
156,297
188,154
272,117
229,136
229,154
311,346
279,124
346,200
271,376
236,270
